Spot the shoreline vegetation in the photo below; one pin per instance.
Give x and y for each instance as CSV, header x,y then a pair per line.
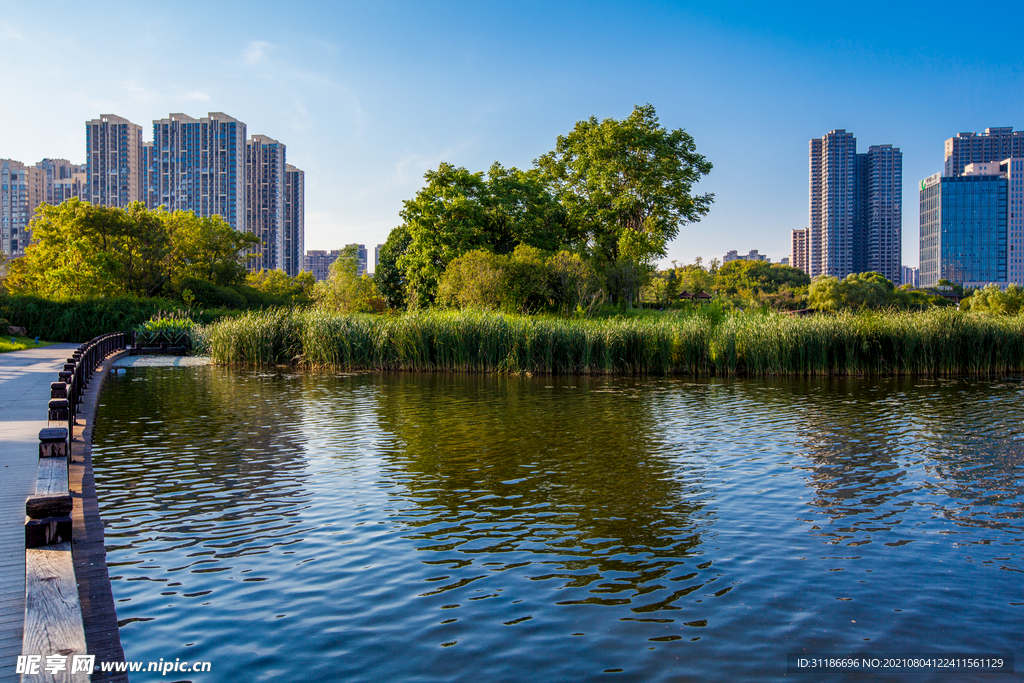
x,y
938,342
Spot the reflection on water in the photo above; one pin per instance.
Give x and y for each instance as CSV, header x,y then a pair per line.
x,y
444,528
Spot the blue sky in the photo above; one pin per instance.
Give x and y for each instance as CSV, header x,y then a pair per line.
x,y
368,96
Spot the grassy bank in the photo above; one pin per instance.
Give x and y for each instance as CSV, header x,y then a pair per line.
x,y
8,343
937,342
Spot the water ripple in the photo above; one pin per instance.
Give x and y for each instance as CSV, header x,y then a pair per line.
x,y
444,528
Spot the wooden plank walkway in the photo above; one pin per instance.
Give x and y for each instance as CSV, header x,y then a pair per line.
x,y
25,378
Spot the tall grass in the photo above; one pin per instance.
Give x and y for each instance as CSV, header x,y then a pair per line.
x,y
939,342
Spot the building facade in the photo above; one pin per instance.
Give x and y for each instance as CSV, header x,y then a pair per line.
x,y
22,189
884,208
197,165
294,219
318,262
798,250
964,230
995,144
113,157
264,200
855,221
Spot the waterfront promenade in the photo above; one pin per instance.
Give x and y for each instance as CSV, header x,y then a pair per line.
x,y
25,378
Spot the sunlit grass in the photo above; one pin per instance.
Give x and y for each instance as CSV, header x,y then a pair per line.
x,y
940,342
9,343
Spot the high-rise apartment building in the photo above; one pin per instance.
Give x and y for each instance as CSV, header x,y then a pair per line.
x,y
376,258
198,165
995,144
318,262
855,224
294,219
884,171
265,200
814,225
58,178
911,276
113,157
798,249
22,189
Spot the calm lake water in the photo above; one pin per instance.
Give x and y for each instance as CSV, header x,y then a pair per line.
x,y
415,527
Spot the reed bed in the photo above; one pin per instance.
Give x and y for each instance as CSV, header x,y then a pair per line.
x,y
939,342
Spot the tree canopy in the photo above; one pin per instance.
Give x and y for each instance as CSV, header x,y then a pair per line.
x,y
81,249
627,185
458,211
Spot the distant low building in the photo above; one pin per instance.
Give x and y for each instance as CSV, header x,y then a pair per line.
x,y
753,255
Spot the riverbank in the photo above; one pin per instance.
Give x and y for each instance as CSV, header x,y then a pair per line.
x,y
938,342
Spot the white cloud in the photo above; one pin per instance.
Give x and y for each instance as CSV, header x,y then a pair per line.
x,y
197,96
256,52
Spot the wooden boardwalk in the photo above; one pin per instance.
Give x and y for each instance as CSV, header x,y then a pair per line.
x,y
25,378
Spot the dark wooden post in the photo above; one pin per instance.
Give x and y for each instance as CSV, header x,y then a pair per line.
x,y
48,512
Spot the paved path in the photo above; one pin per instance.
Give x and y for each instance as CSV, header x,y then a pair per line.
x,y
25,378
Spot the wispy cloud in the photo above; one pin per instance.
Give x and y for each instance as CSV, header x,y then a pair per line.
x,y
256,52
8,31
197,96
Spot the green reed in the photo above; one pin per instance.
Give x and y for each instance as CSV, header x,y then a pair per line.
x,y
939,342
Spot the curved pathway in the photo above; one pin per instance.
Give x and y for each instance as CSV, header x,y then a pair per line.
x,y
25,378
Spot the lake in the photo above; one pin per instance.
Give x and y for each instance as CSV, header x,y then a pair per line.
x,y
438,527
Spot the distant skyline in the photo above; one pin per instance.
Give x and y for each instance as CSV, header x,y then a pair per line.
x,y
369,97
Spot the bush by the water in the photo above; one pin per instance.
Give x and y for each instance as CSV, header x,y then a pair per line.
x,y
939,342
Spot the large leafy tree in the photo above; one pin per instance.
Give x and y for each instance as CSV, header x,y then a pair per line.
x,y
746,278
207,248
345,290
79,249
388,278
627,185
458,211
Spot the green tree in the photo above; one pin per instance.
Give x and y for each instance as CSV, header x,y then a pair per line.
x,y
207,248
991,299
694,278
458,211
81,249
298,289
627,184
573,284
388,277
473,280
857,290
762,283
825,294
345,291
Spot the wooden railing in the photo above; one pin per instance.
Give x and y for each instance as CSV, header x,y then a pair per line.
x,y
53,614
